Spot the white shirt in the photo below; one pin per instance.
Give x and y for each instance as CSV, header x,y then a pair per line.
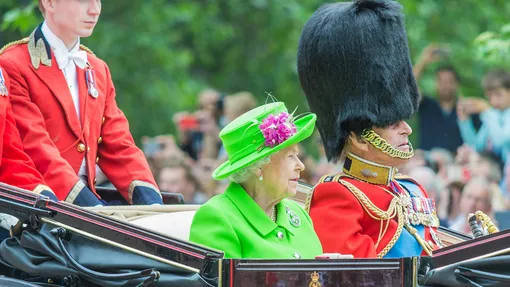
x,y
61,52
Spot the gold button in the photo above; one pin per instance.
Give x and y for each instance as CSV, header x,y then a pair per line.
x,y
80,147
100,140
97,159
102,120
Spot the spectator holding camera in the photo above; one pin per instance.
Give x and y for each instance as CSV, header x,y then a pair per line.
x,y
198,131
494,134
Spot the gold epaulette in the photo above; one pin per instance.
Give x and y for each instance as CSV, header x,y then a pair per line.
x,y
86,49
27,39
15,43
325,178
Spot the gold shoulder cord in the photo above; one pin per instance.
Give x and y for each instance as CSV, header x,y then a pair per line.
x,y
378,214
308,201
27,39
19,42
86,49
397,205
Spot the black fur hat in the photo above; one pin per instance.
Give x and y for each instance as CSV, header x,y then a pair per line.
x,y
355,69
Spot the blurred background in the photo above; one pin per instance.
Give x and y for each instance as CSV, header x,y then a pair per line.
x,y
184,68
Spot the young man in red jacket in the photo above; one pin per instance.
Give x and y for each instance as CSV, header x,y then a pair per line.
x,y
64,103
354,68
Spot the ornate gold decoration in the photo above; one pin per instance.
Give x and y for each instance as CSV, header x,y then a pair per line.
x,y
12,44
398,208
37,51
315,280
86,49
309,196
395,209
486,222
368,171
378,142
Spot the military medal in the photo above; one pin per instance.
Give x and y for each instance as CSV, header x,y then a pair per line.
x,y
91,83
3,86
293,217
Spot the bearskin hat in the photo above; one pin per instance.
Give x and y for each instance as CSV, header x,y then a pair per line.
x,y
355,69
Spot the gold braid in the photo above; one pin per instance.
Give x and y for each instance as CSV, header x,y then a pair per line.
x,y
11,44
86,49
26,40
378,142
395,209
309,196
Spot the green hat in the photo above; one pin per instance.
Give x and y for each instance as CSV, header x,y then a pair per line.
x,y
245,142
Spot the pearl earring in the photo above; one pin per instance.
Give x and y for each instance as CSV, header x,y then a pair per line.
x,y
260,177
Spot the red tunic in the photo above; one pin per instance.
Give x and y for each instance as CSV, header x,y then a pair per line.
x,y
343,224
53,135
16,167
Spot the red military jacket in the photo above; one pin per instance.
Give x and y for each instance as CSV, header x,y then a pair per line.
x,y
53,135
346,210
16,167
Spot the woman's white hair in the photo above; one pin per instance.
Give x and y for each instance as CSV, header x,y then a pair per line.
x,y
247,172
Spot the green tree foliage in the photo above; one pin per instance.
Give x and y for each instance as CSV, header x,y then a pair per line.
x,y
162,53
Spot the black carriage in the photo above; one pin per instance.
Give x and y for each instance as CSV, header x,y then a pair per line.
x,y
58,244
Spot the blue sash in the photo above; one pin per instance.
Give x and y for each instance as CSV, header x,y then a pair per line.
x,y
406,245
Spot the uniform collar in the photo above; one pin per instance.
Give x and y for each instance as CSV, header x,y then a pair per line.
x,y
59,48
254,214
368,171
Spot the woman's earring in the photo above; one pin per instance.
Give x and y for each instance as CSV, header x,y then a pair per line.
x,y
260,177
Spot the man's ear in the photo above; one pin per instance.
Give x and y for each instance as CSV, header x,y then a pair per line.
x,y
357,142
48,4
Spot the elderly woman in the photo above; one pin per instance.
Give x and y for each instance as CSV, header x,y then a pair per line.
x,y
253,218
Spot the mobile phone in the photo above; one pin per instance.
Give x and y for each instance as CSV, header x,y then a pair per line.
x,y
188,122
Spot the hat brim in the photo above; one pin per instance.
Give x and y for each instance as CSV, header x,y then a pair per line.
x,y
304,129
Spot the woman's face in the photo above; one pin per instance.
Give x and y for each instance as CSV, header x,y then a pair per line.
x,y
281,175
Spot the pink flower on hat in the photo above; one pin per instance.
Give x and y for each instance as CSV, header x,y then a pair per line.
x,y
277,129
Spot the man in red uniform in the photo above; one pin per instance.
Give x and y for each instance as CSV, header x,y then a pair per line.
x,y
16,168
354,68
64,103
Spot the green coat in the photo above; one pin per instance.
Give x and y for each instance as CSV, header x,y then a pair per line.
x,y
234,223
